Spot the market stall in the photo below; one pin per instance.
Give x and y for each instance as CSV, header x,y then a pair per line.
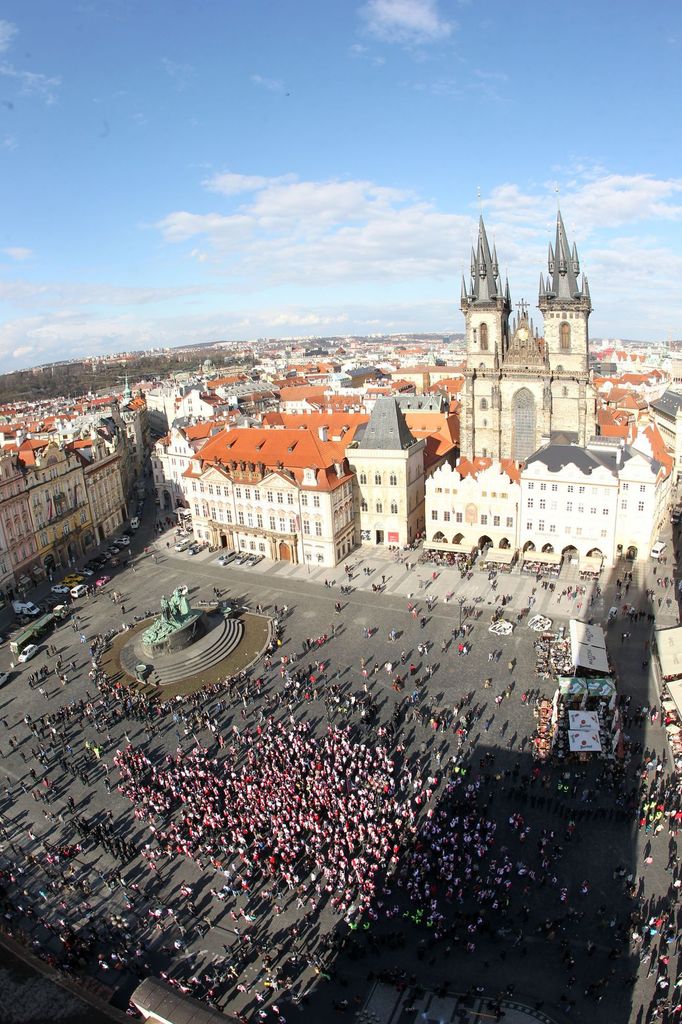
x,y
667,648
500,559
584,721
542,563
462,556
588,648
590,567
552,655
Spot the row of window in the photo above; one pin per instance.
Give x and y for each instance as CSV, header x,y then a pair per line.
x,y
220,515
379,507
392,479
581,489
482,519
503,495
246,492
578,531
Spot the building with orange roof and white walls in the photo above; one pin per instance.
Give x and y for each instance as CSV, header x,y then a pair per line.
x,y
284,494
171,456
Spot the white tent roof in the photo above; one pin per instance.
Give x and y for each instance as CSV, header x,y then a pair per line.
x,y
505,556
546,557
588,646
588,720
583,740
669,650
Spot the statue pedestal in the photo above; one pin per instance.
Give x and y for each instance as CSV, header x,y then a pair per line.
x,y
180,637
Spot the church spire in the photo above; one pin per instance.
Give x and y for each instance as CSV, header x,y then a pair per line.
x,y
563,265
485,285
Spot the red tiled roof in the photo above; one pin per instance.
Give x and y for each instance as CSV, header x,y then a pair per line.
x,y
295,450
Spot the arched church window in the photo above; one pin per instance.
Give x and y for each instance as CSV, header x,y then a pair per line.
x,y
484,337
565,337
523,425
484,403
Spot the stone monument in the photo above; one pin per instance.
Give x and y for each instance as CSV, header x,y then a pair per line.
x,y
177,626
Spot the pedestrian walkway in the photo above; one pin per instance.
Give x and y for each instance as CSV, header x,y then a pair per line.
x,y
385,1005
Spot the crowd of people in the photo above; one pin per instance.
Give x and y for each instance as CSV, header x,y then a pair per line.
x,y
400,825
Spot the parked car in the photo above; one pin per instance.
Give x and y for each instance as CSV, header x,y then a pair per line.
x,y
4,677
28,652
25,608
87,571
194,549
658,549
124,540
135,523
72,579
60,588
102,581
256,559
182,545
226,559
80,590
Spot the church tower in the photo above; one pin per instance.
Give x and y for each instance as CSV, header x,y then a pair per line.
x,y
486,307
566,306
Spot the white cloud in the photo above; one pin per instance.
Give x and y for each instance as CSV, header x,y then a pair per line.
x,y
18,252
181,74
411,22
271,84
7,33
229,184
32,83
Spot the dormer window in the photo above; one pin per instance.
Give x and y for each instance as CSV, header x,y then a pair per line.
x,y
309,477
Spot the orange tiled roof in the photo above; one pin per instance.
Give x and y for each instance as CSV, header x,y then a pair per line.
x,y
472,467
658,447
287,449
341,425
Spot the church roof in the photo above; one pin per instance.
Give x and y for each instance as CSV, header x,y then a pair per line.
x,y
386,429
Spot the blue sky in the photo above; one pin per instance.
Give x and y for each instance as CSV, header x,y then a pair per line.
x,y
178,172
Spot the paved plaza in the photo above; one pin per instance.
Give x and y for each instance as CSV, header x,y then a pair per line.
x,y
557,939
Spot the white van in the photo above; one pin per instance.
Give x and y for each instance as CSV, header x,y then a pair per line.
x,y
25,608
658,549
182,545
80,590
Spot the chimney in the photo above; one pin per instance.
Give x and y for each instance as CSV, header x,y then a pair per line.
x,y
323,433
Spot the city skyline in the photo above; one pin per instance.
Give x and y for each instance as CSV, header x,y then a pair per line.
x,y
198,178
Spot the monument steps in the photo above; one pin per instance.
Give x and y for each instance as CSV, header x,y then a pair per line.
x,y
224,640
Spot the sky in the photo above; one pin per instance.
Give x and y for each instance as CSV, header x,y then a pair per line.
x,y
179,172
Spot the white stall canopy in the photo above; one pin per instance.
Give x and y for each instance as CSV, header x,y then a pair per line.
x,y
588,646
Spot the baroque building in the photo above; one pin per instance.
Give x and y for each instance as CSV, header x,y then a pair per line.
x,y
521,388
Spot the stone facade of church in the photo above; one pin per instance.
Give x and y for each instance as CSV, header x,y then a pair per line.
x,y
519,387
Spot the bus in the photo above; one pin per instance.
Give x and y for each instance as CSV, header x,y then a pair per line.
x,y
32,634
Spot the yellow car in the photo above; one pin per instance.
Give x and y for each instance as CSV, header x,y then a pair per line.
x,y
72,580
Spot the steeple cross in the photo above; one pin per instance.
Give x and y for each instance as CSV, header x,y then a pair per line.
x,y
522,307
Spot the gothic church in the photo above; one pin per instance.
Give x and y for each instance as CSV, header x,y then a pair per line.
x,y
520,388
